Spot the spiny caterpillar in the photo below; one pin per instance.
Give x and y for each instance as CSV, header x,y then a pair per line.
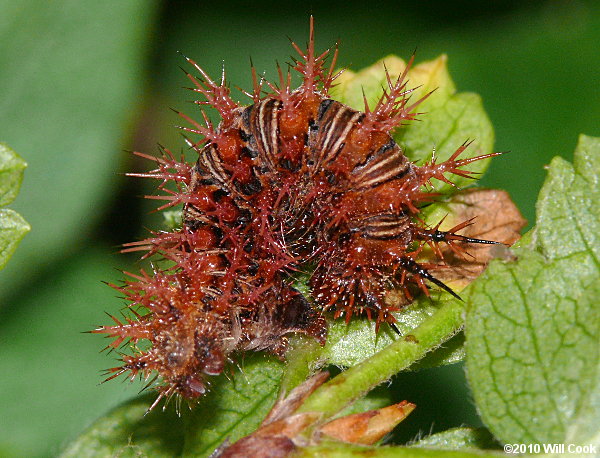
x,y
293,182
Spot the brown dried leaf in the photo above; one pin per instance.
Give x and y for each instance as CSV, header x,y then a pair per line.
x,y
368,427
278,434
275,440
496,218
255,446
286,406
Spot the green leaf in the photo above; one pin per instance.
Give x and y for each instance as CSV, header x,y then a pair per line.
x,y
12,225
125,431
11,174
459,438
172,219
533,325
12,229
568,208
427,76
235,406
349,344
448,119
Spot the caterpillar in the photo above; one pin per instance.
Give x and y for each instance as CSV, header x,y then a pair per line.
x,y
295,181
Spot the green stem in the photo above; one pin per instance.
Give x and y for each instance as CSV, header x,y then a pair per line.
x,y
353,383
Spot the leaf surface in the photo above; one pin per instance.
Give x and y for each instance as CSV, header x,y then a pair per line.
x,y
12,229
459,438
125,431
12,225
11,174
235,407
533,325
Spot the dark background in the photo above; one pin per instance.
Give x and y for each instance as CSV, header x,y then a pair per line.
x,y
83,81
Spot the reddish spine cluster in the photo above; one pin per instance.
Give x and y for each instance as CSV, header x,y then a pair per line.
x,y
294,181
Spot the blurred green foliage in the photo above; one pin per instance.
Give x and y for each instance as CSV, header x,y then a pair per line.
x,y
81,81
12,225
